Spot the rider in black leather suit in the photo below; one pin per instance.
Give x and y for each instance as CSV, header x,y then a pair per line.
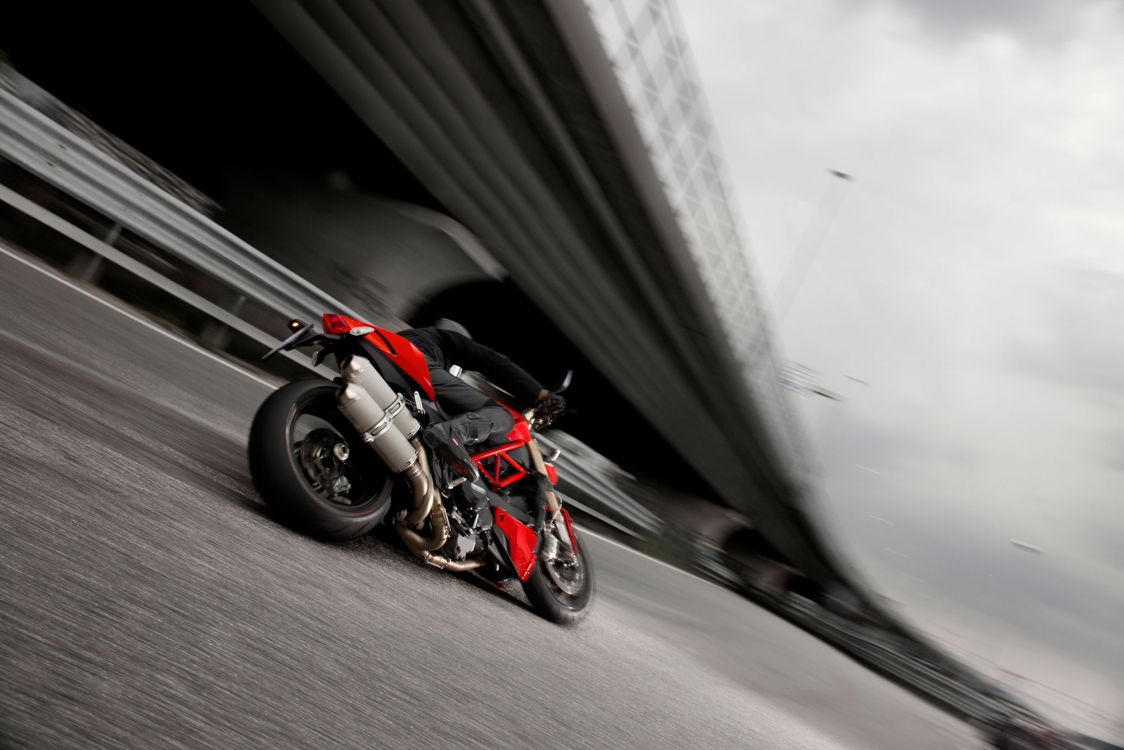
x,y
474,416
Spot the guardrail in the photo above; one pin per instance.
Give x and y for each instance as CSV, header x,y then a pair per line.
x,y
148,274
43,147
579,467
952,693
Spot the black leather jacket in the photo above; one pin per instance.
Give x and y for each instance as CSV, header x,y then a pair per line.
x,y
443,349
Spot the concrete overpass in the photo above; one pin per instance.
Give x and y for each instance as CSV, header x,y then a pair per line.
x,y
533,155
512,116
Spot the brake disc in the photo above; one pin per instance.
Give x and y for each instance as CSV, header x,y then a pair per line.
x,y
565,570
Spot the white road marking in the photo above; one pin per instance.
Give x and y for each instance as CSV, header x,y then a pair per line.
x,y
146,323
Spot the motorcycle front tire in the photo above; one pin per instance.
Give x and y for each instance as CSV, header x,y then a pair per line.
x,y
549,601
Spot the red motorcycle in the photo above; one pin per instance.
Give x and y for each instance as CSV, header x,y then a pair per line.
x,y
335,460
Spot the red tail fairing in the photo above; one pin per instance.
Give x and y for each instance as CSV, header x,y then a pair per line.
x,y
398,350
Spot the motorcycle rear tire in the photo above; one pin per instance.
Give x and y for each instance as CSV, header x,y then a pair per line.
x,y
282,482
553,604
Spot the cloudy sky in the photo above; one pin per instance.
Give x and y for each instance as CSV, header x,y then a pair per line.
x,y
973,275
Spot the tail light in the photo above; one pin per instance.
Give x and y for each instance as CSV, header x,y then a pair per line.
x,y
337,324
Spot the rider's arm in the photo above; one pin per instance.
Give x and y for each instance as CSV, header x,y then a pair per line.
x,y
494,366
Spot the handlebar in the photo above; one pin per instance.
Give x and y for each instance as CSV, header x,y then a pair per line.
x,y
544,413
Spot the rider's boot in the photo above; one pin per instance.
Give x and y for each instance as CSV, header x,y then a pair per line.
x,y
450,438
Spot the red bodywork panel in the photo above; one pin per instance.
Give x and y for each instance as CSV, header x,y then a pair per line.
x,y
551,473
521,432
521,543
398,350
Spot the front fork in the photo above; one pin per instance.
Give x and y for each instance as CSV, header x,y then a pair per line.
x,y
549,508
553,505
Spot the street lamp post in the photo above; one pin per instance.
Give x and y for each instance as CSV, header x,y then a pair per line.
x,y
810,242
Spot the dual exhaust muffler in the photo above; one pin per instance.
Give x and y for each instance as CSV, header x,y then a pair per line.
x,y
378,413
382,419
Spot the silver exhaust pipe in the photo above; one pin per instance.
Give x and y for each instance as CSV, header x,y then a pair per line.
x,y
427,503
424,489
377,427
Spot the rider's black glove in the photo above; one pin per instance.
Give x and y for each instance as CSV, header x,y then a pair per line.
x,y
547,410
554,403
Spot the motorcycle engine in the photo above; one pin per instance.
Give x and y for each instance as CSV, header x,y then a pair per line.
x,y
469,515
462,545
476,506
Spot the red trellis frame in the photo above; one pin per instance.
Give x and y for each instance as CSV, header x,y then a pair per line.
x,y
499,457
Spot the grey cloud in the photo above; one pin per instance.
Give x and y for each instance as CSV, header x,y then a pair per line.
x,y
1068,607
1104,540
1036,21
1114,459
1077,342
856,441
1069,598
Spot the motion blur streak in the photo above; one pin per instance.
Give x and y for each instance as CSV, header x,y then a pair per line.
x,y
148,600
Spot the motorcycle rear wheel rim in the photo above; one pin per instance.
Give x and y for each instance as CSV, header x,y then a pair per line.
x,y
361,468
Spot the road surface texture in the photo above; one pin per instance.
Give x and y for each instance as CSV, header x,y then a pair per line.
x,y
148,602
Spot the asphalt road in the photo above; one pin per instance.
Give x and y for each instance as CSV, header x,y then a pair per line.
x,y
148,602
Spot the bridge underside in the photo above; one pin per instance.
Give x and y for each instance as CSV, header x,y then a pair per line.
x,y
509,114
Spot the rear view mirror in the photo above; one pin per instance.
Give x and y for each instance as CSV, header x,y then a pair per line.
x,y
565,381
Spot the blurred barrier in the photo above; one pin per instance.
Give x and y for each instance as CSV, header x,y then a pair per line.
x,y
115,256
957,692
594,486
45,148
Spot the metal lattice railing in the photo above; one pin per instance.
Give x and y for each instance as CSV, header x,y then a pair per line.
x,y
648,50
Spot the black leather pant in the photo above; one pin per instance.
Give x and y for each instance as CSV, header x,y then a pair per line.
x,y
472,416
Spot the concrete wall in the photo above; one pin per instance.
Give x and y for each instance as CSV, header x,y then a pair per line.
x,y
382,257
